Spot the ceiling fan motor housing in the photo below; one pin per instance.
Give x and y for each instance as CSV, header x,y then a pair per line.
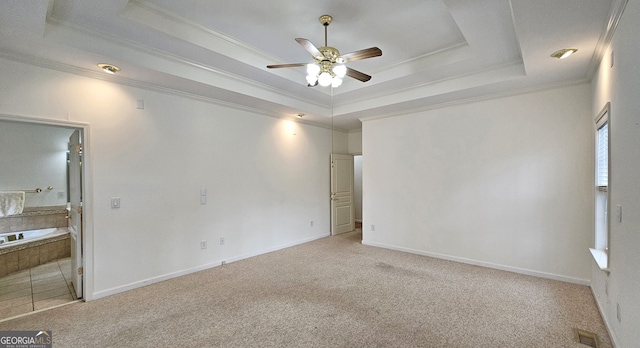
x,y
329,53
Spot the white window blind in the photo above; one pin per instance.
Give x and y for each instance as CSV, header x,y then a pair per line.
x,y
602,171
600,251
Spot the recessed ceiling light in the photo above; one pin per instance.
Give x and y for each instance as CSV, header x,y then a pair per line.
x,y
299,115
564,53
108,68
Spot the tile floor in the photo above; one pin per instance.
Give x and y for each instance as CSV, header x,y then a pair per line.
x,y
40,287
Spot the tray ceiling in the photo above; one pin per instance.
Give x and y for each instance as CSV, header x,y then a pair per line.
x,y
434,52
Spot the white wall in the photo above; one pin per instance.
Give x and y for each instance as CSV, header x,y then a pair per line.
x,y
505,183
264,184
34,157
340,141
355,142
620,85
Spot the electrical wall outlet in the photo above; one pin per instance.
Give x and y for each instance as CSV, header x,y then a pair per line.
x,y
373,227
203,244
221,241
311,223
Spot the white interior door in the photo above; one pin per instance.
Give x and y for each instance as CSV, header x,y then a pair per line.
x,y
342,209
75,213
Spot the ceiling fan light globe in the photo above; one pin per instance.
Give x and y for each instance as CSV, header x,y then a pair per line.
x,y
324,79
312,79
313,69
336,82
340,70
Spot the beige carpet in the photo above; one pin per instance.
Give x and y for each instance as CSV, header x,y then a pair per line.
x,y
333,292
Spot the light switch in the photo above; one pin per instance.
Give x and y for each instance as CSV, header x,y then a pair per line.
x,y
619,213
115,202
203,196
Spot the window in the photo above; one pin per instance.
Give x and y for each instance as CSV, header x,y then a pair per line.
x,y
601,249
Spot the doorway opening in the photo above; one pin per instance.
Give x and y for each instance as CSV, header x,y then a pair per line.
x,y
342,208
47,271
346,193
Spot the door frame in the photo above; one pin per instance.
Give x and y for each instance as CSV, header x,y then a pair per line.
x,y
334,198
74,180
354,185
87,190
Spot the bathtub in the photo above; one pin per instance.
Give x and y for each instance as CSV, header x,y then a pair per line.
x,y
22,237
37,247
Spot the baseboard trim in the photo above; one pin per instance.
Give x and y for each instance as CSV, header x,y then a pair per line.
x,y
275,248
482,263
152,280
604,318
160,278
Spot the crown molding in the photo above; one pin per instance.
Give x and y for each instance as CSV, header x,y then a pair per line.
x,y
146,49
133,8
66,68
495,68
617,9
475,99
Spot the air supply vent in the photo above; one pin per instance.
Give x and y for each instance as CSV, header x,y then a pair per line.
x,y
587,338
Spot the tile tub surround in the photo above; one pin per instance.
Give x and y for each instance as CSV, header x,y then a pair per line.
x,y
28,255
35,218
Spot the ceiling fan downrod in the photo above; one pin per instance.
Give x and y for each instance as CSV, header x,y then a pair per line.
x,y
325,20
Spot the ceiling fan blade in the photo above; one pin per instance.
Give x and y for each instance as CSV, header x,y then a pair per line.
x,y
362,54
311,48
293,65
358,75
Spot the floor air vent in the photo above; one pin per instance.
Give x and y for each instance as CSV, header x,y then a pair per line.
x,y
587,338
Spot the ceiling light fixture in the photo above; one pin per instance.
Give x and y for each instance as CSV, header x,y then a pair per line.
x,y
325,73
108,68
564,53
328,67
299,115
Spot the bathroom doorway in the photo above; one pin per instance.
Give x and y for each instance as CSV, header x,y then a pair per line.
x,y
35,159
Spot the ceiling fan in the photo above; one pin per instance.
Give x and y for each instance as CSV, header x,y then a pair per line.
x,y
328,65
